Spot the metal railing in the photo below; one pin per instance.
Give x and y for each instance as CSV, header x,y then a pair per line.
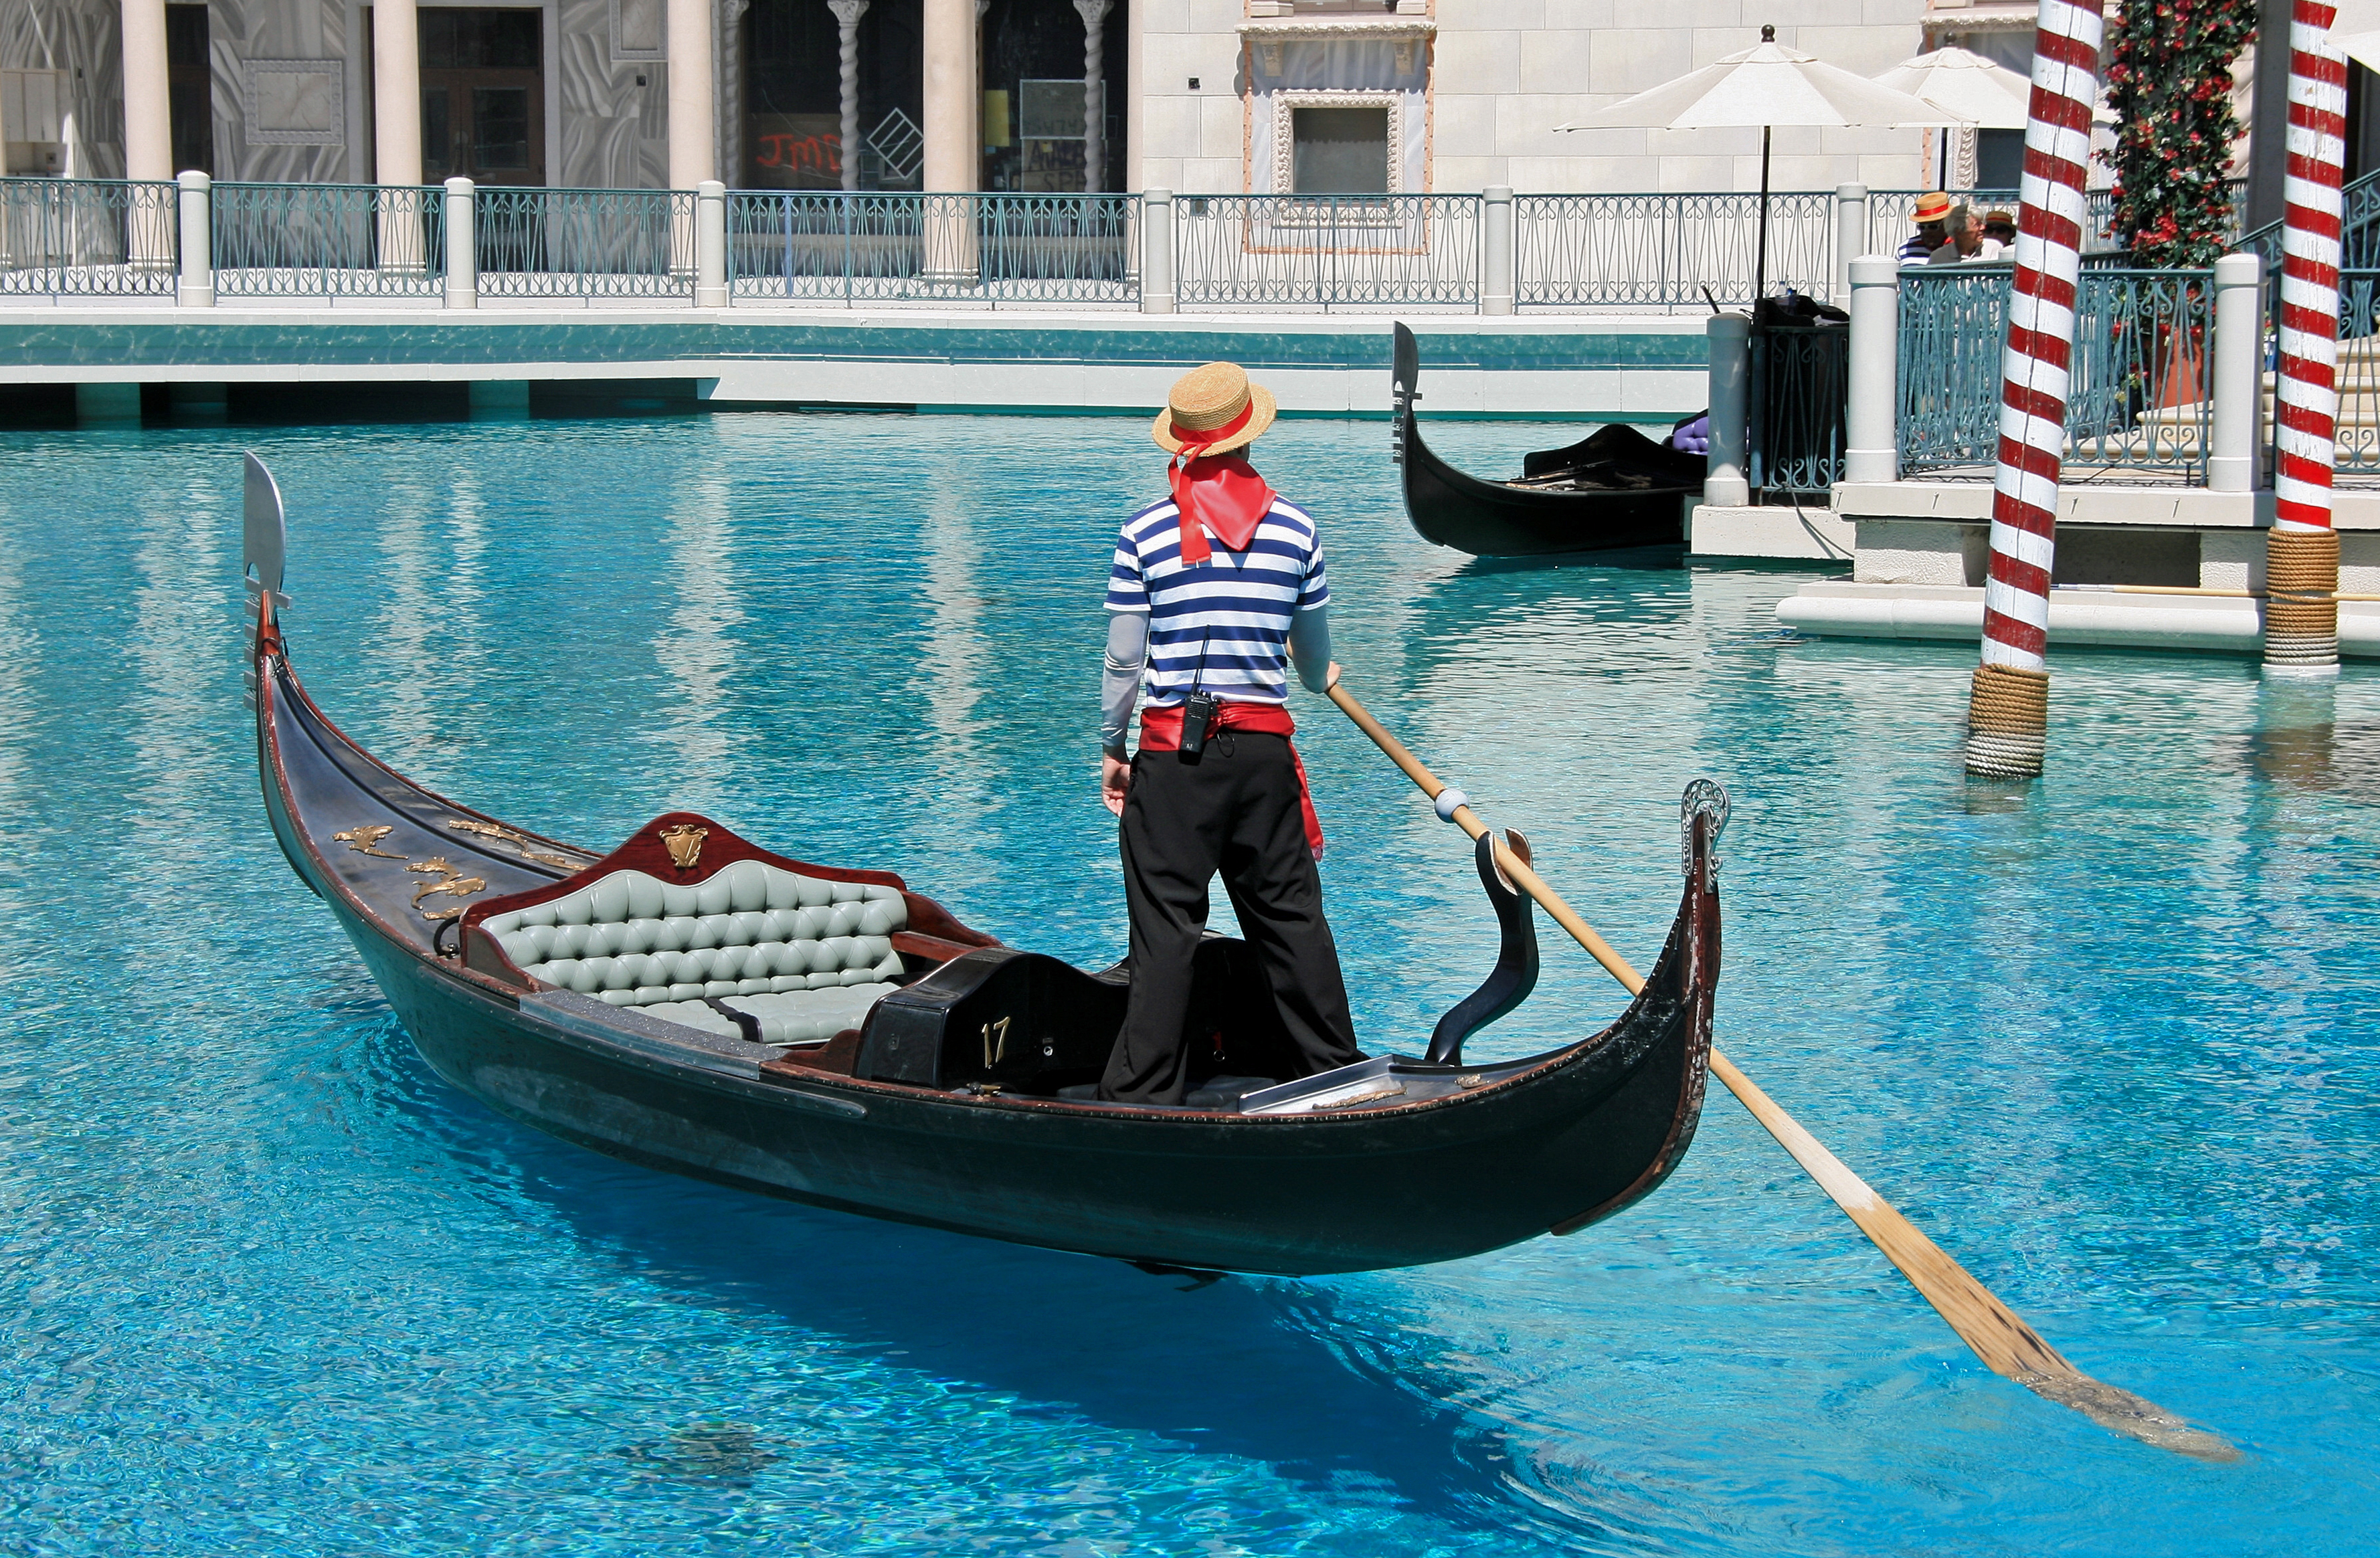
x,y
1801,390
2140,398
873,247
1326,252
2359,229
1660,252
82,237
585,243
2356,436
327,240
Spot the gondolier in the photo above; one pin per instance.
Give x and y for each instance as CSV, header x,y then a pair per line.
x,y
1216,591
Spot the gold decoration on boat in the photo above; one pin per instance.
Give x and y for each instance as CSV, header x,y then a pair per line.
x,y
362,839
684,842
451,882
995,1042
517,839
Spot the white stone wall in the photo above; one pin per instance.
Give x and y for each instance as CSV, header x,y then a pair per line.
x,y
1505,72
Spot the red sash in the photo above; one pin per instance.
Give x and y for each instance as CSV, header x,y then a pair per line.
x,y
1160,730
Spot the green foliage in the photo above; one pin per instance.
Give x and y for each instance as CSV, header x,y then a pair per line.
x,y
2170,82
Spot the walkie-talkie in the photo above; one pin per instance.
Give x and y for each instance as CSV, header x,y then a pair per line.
x,y
1197,713
1199,709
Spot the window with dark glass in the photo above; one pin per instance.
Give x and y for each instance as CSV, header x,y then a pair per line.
x,y
1340,151
189,111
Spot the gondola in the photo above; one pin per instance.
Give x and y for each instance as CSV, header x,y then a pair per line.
x,y
693,1002
1613,490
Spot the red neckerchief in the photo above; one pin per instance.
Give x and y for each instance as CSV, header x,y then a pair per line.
x,y
1218,493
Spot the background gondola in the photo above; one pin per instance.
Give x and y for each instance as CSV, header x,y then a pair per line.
x,y
1614,489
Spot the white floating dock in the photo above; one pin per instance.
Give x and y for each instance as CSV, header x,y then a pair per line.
x,y
2083,615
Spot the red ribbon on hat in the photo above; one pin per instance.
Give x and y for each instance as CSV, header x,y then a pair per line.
x,y
1222,493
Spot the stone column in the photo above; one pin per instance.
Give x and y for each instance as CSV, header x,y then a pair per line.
x,y
1157,251
462,245
693,116
1725,486
396,135
1498,279
1851,237
2239,372
1870,452
396,93
710,244
195,286
1095,108
148,127
846,37
954,131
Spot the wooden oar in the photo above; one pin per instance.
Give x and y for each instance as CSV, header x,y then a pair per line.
x,y
2007,1345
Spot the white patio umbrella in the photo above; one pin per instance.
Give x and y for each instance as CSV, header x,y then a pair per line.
x,y
1987,96
2356,31
1767,85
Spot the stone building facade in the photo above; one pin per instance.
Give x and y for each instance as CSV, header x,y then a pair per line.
x,y
1200,96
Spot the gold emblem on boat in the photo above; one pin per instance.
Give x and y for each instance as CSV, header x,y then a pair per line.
x,y
451,882
517,839
361,840
684,842
995,1042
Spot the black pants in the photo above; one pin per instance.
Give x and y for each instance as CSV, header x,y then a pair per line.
x,y
1233,808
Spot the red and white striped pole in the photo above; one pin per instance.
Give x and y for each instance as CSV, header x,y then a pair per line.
x,y
2301,550
2008,708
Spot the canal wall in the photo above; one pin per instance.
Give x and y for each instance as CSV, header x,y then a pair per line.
x,y
1653,369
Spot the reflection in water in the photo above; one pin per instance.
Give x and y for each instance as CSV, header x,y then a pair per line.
x,y
954,668
21,725
409,577
184,569
697,649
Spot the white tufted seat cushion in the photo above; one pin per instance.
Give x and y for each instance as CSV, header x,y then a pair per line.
x,y
795,1016
749,930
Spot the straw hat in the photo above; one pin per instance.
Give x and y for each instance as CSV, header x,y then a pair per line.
x,y
1211,397
1933,206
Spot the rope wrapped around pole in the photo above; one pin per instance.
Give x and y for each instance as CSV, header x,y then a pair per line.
x,y
2301,550
2035,373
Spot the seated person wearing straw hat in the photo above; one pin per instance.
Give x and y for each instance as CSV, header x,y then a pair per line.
x,y
1215,591
1932,216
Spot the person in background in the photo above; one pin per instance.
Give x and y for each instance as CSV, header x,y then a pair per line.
x,y
1216,591
1933,211
1965,239
1999,229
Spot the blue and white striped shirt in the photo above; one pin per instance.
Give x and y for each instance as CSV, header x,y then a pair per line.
x,y
1223,625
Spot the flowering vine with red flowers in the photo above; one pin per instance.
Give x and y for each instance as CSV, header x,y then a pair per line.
x,y
2169,83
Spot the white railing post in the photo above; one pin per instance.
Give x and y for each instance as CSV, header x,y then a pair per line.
x,y
1724,486
711,244
1851,234
462,245
194,287
1157,251
1870,444
2238,386
1496,288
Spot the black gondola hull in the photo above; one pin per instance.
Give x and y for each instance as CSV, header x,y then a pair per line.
x,y
1635,492
1558,1140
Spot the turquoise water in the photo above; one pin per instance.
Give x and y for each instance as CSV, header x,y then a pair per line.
x,y
268,1285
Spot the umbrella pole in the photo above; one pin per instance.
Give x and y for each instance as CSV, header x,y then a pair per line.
x,y
1760,265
